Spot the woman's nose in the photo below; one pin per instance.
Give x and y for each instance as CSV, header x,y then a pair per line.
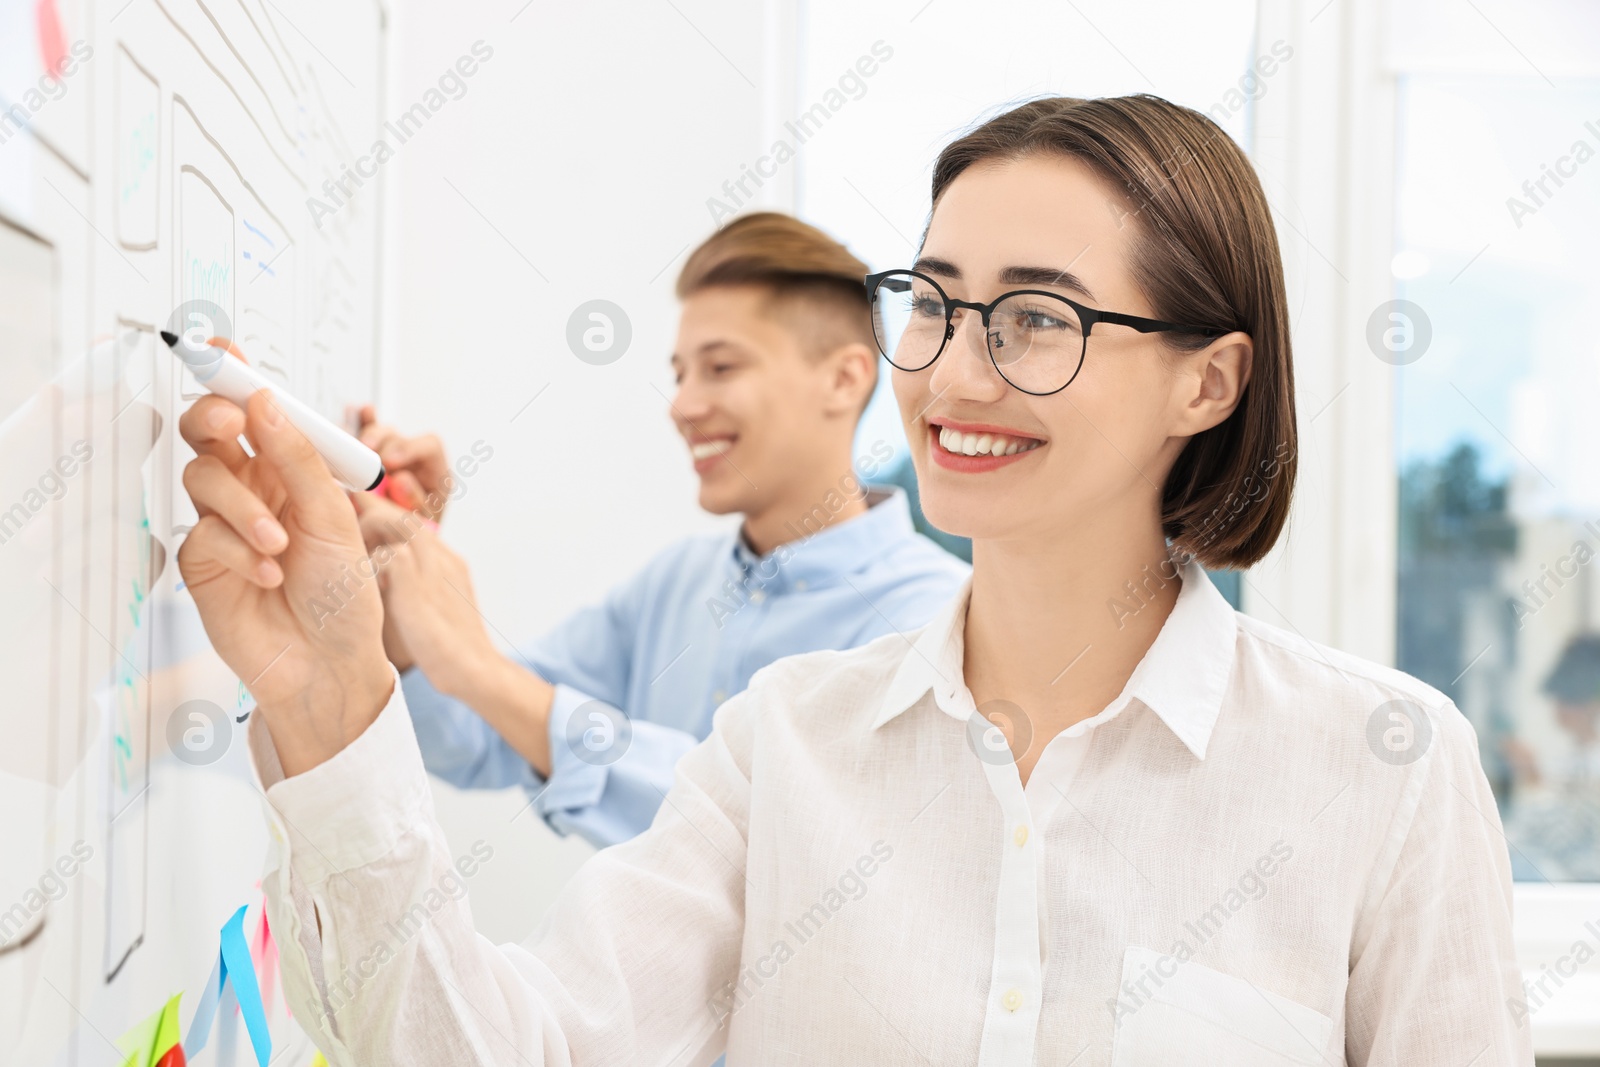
x,y
976,333
963,368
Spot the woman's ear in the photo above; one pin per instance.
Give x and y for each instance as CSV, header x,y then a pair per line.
x,y
1219,374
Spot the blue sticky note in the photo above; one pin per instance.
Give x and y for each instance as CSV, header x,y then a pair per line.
x,y
234,971
204,1013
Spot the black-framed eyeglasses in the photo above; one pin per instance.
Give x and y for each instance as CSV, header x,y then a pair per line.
x,y
1036,339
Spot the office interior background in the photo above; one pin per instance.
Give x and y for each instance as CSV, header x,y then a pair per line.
x,y
1432,168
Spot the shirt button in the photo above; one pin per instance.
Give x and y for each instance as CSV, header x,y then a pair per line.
x,y
719,696
757,597
1012,1000
800,585
1021,836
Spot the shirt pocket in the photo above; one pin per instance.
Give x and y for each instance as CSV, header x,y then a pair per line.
x,y
1196,1015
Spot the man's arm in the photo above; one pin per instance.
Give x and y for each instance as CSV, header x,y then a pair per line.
x,y
551,718
602,799
430,603
516,702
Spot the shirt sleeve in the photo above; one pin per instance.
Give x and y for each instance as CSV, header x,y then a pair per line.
x,y
458,745
606,796
381,962
610,791
1434,978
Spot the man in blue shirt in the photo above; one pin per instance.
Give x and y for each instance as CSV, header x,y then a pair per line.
x,y
775,361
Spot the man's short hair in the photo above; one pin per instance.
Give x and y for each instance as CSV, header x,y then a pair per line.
x,y
814,282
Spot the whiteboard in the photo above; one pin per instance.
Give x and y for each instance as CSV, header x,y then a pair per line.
x,y
169,160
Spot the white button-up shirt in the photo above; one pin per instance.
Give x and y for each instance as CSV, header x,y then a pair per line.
x,y
1262,852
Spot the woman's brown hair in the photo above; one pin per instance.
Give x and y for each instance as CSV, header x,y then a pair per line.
x,y
1205,254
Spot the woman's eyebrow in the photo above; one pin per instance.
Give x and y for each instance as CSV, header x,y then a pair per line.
x,y
1061,279
1050,276
933,265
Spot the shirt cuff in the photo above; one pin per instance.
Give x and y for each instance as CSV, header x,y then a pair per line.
x,y
575,783
419,692
350,810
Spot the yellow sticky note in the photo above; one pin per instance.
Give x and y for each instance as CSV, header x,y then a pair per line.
x,y
319,1061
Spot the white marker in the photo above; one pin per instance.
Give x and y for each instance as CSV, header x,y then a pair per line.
x,y
351,462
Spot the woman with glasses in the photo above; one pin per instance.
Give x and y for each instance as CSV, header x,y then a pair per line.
x,y
1088,815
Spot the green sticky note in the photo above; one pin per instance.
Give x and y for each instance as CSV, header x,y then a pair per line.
x,y
138,1042
148,1041
167,1032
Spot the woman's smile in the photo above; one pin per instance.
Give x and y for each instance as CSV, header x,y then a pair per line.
x,y
973,448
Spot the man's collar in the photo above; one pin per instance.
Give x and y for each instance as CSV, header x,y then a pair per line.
x,y
821,553
1182,678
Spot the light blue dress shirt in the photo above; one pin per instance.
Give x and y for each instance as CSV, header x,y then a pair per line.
x,y
668,646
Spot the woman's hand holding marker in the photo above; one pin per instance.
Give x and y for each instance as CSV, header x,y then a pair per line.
x,y
275,533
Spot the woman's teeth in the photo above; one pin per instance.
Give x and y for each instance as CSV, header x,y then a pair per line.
x,y
983,444
707,449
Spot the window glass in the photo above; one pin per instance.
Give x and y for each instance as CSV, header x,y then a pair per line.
x,y
1493,335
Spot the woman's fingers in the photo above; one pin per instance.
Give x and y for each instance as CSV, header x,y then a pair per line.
x,y
212,427
217,491
314,493
213,541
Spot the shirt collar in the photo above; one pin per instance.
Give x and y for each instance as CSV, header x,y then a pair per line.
x,y
839,548
1182,678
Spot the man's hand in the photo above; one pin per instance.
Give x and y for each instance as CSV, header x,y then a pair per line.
x,y
432,617
276,533
418,473
432,622
386,528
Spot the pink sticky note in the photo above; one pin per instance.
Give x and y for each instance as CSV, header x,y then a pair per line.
x,y
52,39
